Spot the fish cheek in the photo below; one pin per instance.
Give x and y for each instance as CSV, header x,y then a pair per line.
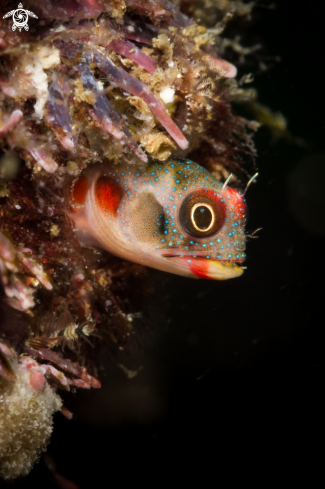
x,y
147,218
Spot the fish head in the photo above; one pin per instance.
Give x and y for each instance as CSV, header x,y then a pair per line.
x,y
174,217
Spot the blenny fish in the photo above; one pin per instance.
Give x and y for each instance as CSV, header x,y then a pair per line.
x,y
175,217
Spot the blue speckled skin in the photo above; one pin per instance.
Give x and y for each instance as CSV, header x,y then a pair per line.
x,y
146,227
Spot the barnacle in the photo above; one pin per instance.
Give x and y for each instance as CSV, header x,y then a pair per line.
x,y
93,80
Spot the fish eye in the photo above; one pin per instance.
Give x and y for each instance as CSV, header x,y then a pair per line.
x,y
200,215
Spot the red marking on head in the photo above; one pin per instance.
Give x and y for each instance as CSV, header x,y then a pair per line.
x,y
232,197
211,194
108,194
199,267
237,200
80,190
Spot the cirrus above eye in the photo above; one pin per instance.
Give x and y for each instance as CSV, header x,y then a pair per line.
x,y
201,215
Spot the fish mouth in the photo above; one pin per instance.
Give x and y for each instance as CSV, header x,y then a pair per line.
x,y
208,268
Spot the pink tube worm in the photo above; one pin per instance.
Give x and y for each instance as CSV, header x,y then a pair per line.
x,y
105,115
132,52
124,80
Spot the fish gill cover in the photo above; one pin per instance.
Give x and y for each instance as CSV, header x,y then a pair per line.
x,y
94,82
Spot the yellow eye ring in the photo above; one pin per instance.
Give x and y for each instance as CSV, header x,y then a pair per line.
x,y
195,206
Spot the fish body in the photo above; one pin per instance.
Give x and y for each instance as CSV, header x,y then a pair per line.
x,y
175,217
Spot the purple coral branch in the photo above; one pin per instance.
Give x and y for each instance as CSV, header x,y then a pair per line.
x,y
65,364
56,376
58,118
14,119
134,86
43,159
105,115
140,32
131,51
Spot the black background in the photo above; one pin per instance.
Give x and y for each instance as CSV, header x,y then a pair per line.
x,y
231,379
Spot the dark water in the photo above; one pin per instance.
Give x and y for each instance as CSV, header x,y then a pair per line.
x,y
231,378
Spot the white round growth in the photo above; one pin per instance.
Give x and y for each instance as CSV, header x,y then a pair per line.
x,y
167,95
25,423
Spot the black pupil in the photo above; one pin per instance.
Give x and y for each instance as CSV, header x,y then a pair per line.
x,y
202,217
